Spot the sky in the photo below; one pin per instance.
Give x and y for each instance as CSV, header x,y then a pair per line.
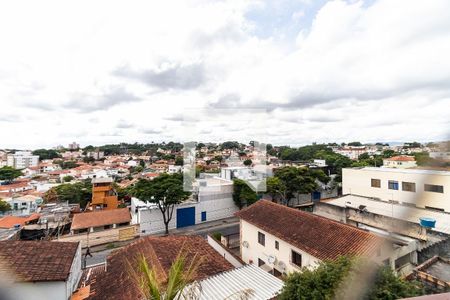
x,y
286,72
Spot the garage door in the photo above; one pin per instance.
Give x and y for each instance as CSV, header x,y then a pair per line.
x,y
185,217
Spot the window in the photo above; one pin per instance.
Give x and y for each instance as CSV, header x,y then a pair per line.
x,y
203,216
296,258
276,273
277,245
260,262
393,185
261,238
434,188
409,186
375,183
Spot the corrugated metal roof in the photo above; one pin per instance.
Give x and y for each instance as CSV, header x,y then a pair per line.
x,y
248,279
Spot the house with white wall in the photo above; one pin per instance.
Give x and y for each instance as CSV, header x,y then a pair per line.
x,y
282,240
36,270
400,162
413,187
212,200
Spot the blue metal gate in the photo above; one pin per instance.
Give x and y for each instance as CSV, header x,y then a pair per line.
x,y
316,196
185,217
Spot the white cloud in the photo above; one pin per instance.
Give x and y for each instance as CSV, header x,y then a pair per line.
x,y
356,69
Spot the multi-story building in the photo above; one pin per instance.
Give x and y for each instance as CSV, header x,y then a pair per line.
x,y
22,160
96,154
413,187
103,194
352,152
282,240
74,146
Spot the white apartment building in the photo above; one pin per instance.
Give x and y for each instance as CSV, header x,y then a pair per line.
x,y
352,152
22,160
400,162
282,240
413,187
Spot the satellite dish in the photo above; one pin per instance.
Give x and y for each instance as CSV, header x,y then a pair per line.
x,y
245,244
282,265
271,259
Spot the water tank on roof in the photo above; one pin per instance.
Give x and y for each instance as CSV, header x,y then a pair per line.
x,y
427,222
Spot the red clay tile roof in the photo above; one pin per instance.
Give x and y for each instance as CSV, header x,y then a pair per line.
x,y
401,158
160,252
100,218
37,260
10,221
320,237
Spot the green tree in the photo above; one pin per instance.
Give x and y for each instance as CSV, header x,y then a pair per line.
x,y
68,178
9,174
337,279
248,162
388,153
179,161
165,191
364,156
296,180
243,195
389,286
4,206
79,192
68,164
320,283
46,154
276,188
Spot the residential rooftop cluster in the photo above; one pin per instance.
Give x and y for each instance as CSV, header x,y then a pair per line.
x,y
105,222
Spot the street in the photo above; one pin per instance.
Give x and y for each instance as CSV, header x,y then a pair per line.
x,y
224,226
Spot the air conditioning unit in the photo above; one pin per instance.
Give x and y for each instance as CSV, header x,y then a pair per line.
x,y
245,244
282,265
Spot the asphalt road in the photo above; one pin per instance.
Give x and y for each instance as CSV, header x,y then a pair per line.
x,y
225,226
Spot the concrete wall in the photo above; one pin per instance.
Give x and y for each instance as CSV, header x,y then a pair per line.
x,y
250,254
358,182
75,273
52,290
441,249
151,219
224,252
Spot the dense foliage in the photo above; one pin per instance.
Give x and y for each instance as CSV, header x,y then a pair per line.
x,y
290,181
346,278
4,206
46,154
243,195
79,192
8,174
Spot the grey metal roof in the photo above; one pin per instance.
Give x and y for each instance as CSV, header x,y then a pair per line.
x,y
232,284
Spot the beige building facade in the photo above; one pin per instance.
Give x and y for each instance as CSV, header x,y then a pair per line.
x,y
418,188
